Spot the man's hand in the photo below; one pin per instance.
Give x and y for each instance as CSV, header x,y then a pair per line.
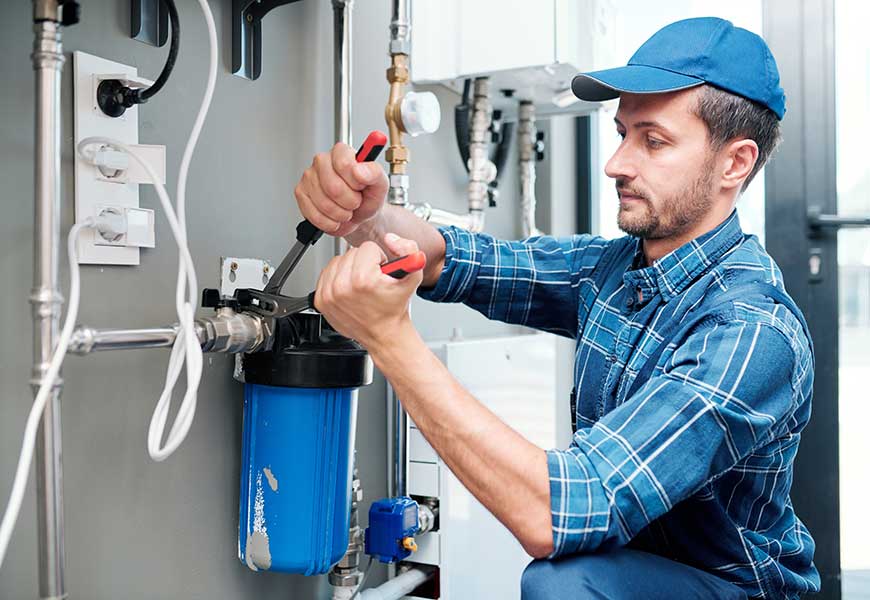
x,y
337,194
362,303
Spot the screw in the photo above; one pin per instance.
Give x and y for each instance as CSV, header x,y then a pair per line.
x,y
234,266
249,17
265,268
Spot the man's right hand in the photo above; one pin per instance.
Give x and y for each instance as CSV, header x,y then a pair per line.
x,y
338,194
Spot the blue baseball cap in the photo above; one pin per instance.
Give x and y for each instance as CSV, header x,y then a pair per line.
x,y
690,53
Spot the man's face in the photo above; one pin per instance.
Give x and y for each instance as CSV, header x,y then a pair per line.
x,y
664,167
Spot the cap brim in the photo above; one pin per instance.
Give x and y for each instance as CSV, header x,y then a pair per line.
x,y
636,79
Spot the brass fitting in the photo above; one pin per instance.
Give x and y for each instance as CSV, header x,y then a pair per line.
x,y
397,75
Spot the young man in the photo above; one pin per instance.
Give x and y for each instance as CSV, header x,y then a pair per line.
x,y
693,369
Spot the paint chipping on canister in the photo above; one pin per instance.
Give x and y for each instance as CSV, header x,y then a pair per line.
x,y
273,481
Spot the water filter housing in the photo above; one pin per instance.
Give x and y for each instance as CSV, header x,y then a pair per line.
x,y
297,447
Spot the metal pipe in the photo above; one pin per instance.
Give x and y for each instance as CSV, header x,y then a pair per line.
x,y
342,19
398,586
346,576
45,297
528,141
342,76
227,332
398,75
398,480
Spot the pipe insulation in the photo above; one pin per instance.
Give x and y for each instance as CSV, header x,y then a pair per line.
x,y
528,139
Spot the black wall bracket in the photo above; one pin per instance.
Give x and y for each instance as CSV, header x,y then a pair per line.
x,y
247,35
149,21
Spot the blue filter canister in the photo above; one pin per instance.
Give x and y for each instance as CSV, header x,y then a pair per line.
x,y
297,446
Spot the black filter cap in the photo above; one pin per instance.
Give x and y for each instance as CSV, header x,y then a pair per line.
x,y
308,353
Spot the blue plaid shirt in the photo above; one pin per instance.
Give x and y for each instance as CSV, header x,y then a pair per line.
x,y
696,465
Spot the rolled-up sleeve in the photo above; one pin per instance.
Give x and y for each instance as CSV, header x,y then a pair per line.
x,y
531,282
725,391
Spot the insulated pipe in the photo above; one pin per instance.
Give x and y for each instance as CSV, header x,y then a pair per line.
x,y
481,170
398,586
45,297
528,140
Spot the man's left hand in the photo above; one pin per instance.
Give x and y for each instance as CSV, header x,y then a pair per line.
x,y
361,302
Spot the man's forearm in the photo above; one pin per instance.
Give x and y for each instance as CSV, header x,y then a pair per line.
x,y
506,472
404,223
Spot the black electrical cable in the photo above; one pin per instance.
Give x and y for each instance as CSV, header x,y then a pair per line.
x,y
144,95
114,98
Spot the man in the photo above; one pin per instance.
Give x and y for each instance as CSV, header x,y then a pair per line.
x,y
693,369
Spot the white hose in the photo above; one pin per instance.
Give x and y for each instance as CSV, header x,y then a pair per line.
x,y
25,458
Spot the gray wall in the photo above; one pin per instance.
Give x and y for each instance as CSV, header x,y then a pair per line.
x,y
136,529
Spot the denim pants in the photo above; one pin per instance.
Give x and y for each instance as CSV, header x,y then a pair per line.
x,y
622,575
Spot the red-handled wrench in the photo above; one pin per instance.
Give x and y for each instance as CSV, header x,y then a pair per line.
x,y
306,233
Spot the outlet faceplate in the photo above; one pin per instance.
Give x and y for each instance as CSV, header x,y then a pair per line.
x,y
93,189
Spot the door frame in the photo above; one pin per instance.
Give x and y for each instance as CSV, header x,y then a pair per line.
x,y
803,172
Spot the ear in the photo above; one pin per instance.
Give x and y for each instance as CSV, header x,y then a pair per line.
x,y
740,157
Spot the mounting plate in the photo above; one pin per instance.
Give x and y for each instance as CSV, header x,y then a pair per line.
x,y
149,21
247,19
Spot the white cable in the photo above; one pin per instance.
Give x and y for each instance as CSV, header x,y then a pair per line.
x,y
186,350
25,458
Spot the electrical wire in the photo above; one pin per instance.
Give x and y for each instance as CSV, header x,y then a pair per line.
x,y
144,95
186,349
362,581
25,458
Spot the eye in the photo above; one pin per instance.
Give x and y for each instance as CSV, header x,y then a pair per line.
x,y
621,134
654,143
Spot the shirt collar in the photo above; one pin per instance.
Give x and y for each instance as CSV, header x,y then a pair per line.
x,y
673,273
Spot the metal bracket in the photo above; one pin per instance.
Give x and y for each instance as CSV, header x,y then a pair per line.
x,y
149,21
247,19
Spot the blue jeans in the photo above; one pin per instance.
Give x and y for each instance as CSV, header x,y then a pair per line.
x,y
622,575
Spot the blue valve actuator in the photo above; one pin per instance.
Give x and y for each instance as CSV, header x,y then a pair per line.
x,y
392,525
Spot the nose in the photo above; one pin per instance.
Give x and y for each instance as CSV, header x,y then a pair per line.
x,y
621,164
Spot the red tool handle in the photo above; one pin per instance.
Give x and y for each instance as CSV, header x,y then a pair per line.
x,y
373,145
404,265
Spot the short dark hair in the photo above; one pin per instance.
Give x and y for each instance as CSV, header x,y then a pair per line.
x,y
729,116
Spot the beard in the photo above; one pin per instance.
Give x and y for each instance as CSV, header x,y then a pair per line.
x,y
676,213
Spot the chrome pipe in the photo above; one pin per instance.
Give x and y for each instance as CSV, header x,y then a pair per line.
x,y
342,16
45,297
85,340
342,75
398,481
400,28
227,332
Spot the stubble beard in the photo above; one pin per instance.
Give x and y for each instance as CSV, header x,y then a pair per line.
x,y
676,214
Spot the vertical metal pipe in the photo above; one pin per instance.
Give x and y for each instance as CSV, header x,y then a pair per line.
x,y
342,82
45,296
342,19
398,447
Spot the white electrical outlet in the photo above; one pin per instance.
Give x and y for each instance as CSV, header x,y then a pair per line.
x,y
115,183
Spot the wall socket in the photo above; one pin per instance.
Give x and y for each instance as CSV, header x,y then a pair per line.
x,y
98,187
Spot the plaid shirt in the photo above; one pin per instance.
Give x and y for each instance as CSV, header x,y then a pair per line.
x,y
696,465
